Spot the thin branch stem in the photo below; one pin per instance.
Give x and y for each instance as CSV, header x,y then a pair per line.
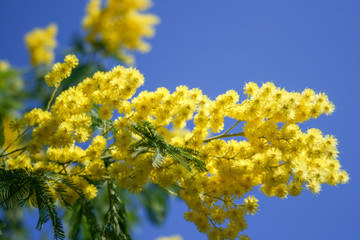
x,y
232,127
224,136
280,164
171,192
211,221
64,169
52,97
108,148
108,130
104,126
213,197
110,137
17,150
22,151
17,138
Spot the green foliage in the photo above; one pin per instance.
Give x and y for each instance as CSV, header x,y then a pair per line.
x,y
83,216
96,50
82,71
153,142
155,201
2,135
14,186
47,209
91,219
11,91
116,220
84,221
2,225
20,186
76,221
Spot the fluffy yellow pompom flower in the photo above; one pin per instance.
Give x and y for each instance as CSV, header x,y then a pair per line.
x,y
60,71
119,25
251,205
41,44
36,116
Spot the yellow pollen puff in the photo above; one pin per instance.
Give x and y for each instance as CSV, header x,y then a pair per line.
x,y
60,71
120,25
41,44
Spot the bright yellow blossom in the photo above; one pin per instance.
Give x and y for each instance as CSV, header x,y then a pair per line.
x,y
60,71
119,25
251,205
41,44
265,147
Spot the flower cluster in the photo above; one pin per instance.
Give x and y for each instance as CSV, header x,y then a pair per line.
x,y
270,151
41,44
119,25
60,71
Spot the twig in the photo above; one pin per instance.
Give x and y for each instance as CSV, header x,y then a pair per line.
x,y
232,127
108,130
171,192
17,138
52,97
224,136
17,150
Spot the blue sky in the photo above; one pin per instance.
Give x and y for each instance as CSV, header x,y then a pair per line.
x,y
220,45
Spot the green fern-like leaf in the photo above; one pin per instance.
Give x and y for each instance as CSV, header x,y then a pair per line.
x,y
83,217
189,155
91,219
46,207
153,142
14,186
61,189
138,151
20,185
76,221
116,225
158,157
